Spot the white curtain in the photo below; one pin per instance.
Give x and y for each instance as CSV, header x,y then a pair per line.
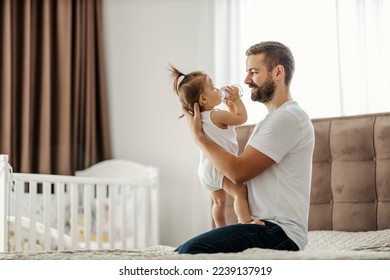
x,y
340,47
364,44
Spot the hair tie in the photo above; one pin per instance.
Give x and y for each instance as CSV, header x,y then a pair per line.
x,y
180,79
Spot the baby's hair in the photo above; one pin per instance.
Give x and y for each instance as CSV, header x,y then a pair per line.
x,y
188,87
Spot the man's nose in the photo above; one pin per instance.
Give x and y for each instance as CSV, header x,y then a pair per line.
x,y
247,80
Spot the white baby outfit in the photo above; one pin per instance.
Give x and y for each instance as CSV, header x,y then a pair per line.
x,y
209,177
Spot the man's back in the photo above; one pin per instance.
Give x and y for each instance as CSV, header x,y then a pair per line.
x,y
281,194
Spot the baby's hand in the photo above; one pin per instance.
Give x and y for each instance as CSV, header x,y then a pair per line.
x,y
228,102
234,93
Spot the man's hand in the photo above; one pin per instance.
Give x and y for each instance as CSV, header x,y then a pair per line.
x,y
194,122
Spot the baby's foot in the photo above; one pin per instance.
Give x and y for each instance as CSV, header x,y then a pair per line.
x,y
256,222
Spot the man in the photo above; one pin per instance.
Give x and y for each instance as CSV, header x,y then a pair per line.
x,y
275,165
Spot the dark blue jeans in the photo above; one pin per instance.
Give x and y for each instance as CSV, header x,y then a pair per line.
x,y
237,238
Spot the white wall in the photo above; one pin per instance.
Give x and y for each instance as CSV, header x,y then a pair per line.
x,y
141,38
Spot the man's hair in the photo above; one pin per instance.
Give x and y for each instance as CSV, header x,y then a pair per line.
x,y
275,54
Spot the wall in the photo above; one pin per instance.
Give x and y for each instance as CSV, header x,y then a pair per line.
x,y
141,38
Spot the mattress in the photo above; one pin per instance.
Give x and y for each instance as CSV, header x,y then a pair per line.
x,y
323,245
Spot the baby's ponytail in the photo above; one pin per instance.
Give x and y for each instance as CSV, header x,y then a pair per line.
x,y
177,76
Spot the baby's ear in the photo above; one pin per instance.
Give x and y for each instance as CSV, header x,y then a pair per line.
x,y
202,100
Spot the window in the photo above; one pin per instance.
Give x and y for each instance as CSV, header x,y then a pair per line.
x,y
339,49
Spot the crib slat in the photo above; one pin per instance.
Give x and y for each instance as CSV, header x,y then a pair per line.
x,y
88,188
124,194
143,214
154,214
4,202
74,213
112,191
99,214
135,211
60,189
47,216
33,215
18,213
147,217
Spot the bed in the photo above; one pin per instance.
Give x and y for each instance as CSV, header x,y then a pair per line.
x,y
112,204
350,201
323,245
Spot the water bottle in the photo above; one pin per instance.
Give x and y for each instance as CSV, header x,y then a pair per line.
x,y
225,94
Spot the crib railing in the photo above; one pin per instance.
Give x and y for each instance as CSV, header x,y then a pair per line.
x,y
125,213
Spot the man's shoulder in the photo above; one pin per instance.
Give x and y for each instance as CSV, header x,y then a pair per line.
x,y
293,110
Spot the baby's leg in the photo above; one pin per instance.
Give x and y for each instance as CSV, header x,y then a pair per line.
x,y
241,206
218,210
240,195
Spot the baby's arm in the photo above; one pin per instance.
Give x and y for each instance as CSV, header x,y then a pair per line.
x,y
236,114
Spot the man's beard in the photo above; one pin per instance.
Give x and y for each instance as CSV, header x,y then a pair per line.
x,y
265,92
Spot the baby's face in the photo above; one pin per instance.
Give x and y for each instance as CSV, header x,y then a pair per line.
x,y
211,93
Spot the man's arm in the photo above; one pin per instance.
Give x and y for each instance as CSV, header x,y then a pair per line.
x,y
238,169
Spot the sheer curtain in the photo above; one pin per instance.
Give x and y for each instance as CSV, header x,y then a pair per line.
x,y
53,103
339,48
364,44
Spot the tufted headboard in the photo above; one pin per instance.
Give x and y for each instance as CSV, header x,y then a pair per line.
x,y
351,173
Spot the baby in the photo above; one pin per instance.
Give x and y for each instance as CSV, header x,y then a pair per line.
x,y
218,125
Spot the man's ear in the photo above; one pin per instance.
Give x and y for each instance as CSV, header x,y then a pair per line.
x,y
278,72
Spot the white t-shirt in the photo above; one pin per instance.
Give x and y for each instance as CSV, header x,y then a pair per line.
x,y
281,194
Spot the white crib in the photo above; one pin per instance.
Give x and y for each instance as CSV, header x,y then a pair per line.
x,y
112,205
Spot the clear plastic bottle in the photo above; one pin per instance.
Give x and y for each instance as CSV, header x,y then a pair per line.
x,y
225,94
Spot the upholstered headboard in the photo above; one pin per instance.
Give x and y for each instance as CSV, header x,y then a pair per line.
x,y
351,173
